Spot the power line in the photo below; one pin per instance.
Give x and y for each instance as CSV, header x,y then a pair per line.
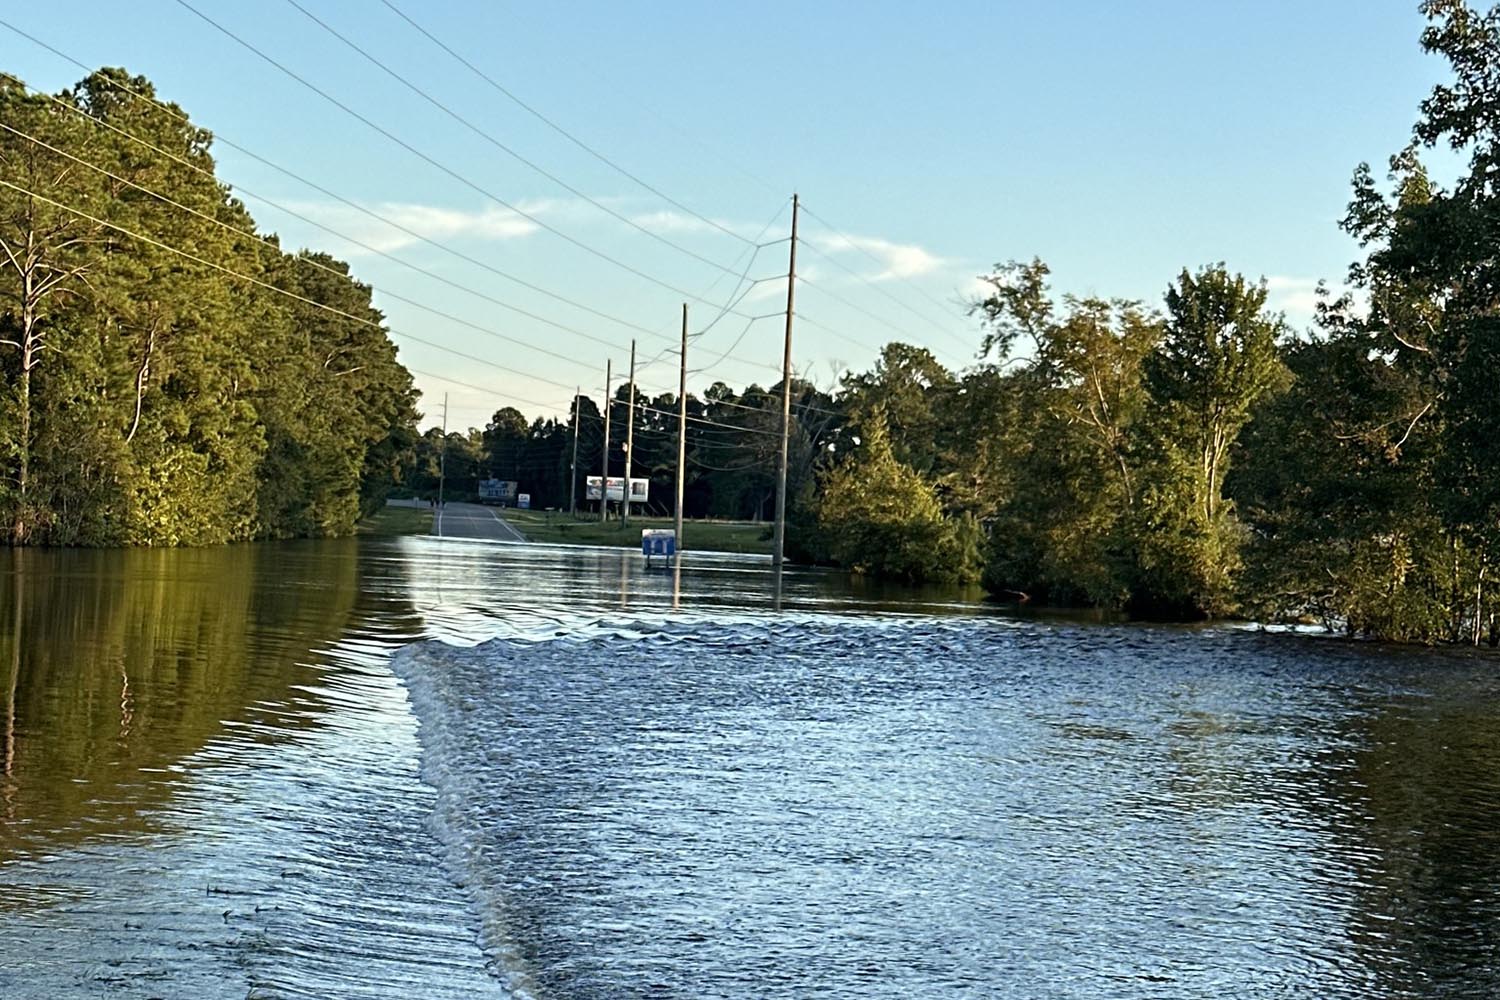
x,y
855,245
385,220
735,163
219,138
337,234
602,255
365,321
852,305
341,274
272,288
502,146
835,331
883,291
738,429
483,389
558,128
332,270
708,467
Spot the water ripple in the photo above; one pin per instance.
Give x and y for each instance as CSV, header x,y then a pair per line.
x,y
742,805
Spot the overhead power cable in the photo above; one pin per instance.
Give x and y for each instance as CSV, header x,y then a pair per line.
x,y
496,85
449,171
823,289
335,271
362,320
849,241
285,171
859,248
830,258
483,134
736,298
343,236
485,389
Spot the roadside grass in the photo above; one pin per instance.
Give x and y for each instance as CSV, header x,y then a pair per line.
x,y
703,536
389,521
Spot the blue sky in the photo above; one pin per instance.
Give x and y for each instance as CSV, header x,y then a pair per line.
x,y
1120,142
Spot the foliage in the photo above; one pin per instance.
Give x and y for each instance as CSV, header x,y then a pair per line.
x,y
1184,461
1388,518
1126,420
152,397
880,517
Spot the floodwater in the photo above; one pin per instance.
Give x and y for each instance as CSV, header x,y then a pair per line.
x,y
419,768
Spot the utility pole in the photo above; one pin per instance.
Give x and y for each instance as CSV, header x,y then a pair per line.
x,y
442,466
604,484
681,427
779,548
573,467
629,442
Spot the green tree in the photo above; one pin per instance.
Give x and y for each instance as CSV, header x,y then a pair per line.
x,y
880,517
1072,444
505,438
1391,531
159,390
909,386
1216,358
47,254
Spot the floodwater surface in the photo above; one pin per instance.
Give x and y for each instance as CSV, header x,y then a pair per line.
x,y
442,769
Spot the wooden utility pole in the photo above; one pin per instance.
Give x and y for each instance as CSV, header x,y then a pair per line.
x,y
629,443
681,427
442,466
604,484
573,466
779,548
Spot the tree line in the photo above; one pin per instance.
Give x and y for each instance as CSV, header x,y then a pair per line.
x,y
154,397
1188,457
1200,457
1183,456
733,441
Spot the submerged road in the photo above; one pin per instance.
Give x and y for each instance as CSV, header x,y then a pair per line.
x,y
472,520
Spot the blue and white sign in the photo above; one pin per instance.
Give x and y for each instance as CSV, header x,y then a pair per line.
x,y
658,542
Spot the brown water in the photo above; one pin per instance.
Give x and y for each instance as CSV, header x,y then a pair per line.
x,y
605,781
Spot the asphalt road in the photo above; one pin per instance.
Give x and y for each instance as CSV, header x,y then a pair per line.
x,y
471,520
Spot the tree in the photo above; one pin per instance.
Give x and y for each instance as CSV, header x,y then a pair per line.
x,y
46,259
908,385
1216,358
159,390
1386,522
505,440
1073,443
881,518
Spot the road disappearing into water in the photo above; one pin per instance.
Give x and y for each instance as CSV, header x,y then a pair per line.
x,y
472,520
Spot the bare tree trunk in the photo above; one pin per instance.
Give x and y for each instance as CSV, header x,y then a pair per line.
x,y
28,361
141,376
1478,600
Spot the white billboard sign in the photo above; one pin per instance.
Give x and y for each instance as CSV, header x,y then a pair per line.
x,y
640,489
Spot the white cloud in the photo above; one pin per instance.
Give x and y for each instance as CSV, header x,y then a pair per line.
x,y
667,221
766,291
1296,297
492,223
975,287
897,260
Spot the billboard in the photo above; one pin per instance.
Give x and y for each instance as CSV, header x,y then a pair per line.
x,y
497,491
640,489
